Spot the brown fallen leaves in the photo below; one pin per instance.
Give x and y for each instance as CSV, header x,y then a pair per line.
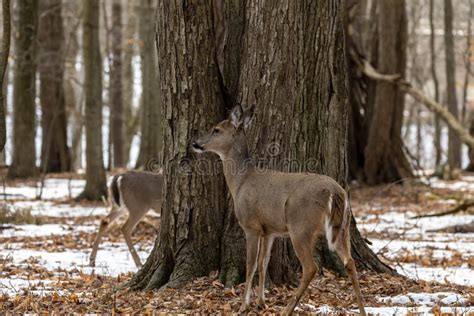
x,y
82,293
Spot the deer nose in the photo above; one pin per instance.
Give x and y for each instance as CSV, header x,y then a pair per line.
x,y
197,146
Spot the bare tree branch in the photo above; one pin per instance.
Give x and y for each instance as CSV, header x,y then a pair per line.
x,y
421,97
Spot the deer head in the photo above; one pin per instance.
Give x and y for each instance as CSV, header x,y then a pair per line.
x,y
226,135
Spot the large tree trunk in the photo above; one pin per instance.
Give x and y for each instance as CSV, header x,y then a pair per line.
x,y
297,82
194,202
24,151
385,160
54,149
151,134
115,96
3,67
454,143
95,173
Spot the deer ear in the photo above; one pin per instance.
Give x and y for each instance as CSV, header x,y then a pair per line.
x,y
248,116
236,115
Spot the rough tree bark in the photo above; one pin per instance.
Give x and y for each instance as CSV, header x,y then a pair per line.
x,y
6,36
24,92
297,82
194,201
55,155
115,94
151,134
385,160
454,143
95,173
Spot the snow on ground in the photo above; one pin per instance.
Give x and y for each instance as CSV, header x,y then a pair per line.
x,y
113,258
397,235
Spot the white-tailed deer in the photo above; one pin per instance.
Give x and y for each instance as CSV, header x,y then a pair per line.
x,y
271,204
134,193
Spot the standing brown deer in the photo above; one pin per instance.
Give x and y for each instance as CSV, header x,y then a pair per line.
x,y
134,193
271,204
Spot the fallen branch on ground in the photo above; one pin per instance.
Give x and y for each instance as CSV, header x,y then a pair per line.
x,y
460,208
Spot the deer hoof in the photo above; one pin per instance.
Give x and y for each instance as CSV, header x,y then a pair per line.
x,y
261,305
243,309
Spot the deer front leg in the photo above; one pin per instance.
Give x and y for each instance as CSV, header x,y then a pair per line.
x,y
252,243
264,252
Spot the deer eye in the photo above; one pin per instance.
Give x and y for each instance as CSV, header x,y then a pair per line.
x,y
216,131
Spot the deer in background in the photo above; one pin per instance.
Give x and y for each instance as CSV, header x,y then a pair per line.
x,y
134,193
269,204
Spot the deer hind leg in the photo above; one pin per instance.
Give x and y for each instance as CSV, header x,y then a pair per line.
x,y
343,249
252,243
302,244
103,229
264,252
127,229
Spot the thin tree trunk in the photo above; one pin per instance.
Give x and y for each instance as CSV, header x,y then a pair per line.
x,y
385,160
115,95
151,133
95,173
454,144
24,151
73,84
130,115
467,75
54,149
434,75
3,69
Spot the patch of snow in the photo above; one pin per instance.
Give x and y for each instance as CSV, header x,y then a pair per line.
x,y
112,259
12,286
45,230
429,299
462,275
403,223
440,248
53,189
45,208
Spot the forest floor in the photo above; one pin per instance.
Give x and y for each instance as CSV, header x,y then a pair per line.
x,y
45,245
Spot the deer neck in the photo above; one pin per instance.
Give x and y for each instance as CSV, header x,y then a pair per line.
x,y
237,164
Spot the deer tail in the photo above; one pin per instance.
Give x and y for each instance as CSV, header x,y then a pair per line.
x,y
114,189
338,220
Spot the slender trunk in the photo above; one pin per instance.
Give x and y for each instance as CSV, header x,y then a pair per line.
x,y
467,75
24,151
151,118
115,95
73,88
95,173
454,144
55,155
130,115
385,160
434,75
3,70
